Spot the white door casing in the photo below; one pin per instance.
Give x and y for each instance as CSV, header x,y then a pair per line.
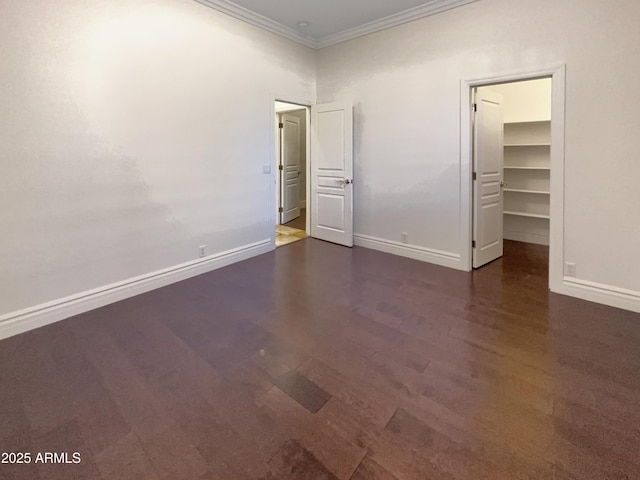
x,y
290,173
488,147
332,172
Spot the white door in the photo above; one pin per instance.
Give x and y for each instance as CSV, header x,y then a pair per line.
x,y
290,173
332,172
487,185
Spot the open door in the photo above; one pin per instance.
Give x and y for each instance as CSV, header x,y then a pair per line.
x,y
290,167
488,151
332,172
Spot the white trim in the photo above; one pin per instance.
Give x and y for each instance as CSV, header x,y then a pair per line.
x,y
600,293
525,237
556,225
27,319
307,179
427,9
437,257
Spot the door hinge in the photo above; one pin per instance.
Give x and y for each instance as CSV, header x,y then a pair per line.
x,y
475,175
281,210
280,167
474,107
473,244
281,125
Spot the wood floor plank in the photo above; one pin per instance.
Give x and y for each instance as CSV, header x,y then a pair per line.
x,y
370,402
126,459
484,442
370,470
315,434
388,450
446,454
303,390
294,462
227,452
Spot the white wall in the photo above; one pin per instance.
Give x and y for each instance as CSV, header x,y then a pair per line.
x,y
405,84
525,101
115,160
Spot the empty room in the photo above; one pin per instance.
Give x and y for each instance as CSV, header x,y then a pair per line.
x,y
453,189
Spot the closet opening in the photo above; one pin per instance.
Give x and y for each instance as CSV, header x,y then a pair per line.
x,y
511,173
292,127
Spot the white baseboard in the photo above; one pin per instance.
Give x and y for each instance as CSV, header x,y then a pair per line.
x,y
599,293
27,319
526,237
445,259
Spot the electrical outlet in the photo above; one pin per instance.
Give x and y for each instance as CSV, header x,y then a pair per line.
x,y
570,269
266,169
202,251
405,237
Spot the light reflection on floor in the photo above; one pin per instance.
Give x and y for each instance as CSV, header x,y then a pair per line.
x,y
287,235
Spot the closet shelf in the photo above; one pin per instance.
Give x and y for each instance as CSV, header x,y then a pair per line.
x,y
520,190
524,122
514,167
525,214
527,144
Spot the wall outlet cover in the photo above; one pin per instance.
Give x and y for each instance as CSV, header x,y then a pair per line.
x,y
570,269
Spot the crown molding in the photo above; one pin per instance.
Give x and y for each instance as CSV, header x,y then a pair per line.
x,y
430,8
421,11
259,21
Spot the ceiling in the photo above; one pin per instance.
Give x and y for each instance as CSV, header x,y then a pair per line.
x,y
330,21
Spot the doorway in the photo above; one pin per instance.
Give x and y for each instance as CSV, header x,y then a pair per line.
x,y
513,173
512,166
291,178
327,202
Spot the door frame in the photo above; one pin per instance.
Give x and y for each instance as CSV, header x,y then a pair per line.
x,y
306,105
557,73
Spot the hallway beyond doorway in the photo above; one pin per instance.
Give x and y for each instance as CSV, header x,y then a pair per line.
x,y
293,231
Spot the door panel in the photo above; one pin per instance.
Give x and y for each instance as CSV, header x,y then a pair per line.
x,y
290,179
331,172
331,125
487,187
331,212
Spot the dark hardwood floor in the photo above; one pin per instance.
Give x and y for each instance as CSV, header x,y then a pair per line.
x,y
322,362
